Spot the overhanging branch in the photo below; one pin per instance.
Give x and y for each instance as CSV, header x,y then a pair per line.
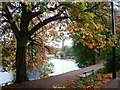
x,y
39,25
34,14
10,20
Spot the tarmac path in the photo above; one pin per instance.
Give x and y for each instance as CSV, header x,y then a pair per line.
x,y
114,85
53,80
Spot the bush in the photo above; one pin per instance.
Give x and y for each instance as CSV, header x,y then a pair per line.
x,y
47,70
86,81
118,56
108,59
102,70
84,56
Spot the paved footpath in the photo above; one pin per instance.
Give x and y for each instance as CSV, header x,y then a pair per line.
x,y
53,80
114,85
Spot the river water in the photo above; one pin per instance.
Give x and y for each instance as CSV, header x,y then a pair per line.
x,y
60,66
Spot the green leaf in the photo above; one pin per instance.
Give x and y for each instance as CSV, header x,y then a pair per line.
x,y
75,22
83,32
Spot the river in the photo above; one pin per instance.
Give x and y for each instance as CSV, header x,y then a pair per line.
x,y
60,66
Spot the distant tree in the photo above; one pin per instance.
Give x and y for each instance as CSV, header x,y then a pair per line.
x,y
66,52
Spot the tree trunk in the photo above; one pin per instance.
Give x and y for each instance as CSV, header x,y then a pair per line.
x,y
21,74
99,55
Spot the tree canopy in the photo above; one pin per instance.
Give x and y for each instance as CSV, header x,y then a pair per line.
x,y
91,30
92,24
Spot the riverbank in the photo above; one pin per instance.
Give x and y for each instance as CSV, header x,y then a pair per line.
x,y
53,80
60,66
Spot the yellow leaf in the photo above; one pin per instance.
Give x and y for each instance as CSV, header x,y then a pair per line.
x,y
26,2
82,29
83,36
95,25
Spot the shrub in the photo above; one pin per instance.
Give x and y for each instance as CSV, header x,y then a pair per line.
x,y
84,56
102,70
87,81
108,64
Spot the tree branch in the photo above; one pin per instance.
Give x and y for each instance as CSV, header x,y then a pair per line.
x,y
5,21
10,20
39,25
24,20
91,9
34,14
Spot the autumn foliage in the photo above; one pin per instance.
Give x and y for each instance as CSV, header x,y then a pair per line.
x,y
92,25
